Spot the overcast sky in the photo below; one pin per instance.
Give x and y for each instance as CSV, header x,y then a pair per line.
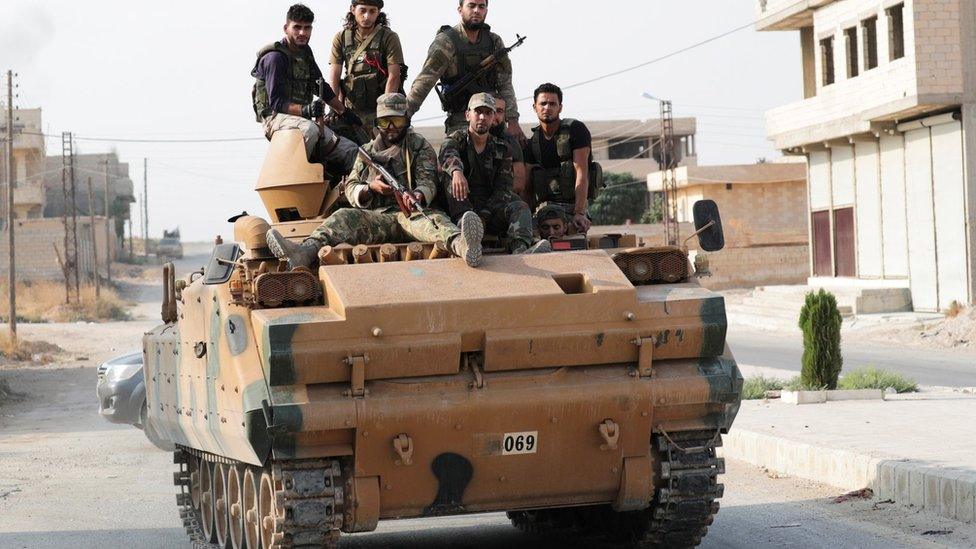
x,y
179,69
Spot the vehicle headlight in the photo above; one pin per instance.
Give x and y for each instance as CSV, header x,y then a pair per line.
x,y
123,371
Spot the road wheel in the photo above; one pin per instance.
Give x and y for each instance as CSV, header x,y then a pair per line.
x,y
252,516
235,507
268,510
194,468
221,504
207,499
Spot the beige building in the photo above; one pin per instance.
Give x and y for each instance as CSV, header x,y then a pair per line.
x,y
888,126
28,164
763,209
620,146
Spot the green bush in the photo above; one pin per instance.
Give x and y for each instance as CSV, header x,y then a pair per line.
x,y
623,198
755,388
820,321
874,378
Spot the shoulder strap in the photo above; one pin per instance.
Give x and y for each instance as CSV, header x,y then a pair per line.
x,y
536,142
347,38
366,42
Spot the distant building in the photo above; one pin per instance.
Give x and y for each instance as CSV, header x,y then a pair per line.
x,y
888,127
620,146
763,210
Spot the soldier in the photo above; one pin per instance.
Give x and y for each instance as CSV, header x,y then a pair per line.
x,y
518,159
459,50
285,84
375,217
561,149
551,221
373,59
480,167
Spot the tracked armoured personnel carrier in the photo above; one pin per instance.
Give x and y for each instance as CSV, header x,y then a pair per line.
x,y
584,392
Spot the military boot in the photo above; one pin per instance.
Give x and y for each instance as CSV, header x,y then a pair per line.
x,y
298,255
467,245
541,247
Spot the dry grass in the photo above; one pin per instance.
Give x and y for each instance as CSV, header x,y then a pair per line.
x,y
954,310
21,350
43,301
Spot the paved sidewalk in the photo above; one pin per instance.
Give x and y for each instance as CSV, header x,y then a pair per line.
x,y
918,450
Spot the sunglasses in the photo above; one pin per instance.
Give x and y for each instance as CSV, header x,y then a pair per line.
x,y
394,122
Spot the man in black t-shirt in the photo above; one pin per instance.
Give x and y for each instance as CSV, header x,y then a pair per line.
x,y
561,149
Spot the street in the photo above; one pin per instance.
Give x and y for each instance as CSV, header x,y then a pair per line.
x,y
782,351
70,479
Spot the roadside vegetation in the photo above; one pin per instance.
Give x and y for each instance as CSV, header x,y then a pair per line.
x,y
756,388
43,301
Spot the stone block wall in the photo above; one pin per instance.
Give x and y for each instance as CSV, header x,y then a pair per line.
x,y
34,244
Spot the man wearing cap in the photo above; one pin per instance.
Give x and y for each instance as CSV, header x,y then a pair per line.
x,y
519,174
551,221
479,166
375,217
459,50
285,83
373,59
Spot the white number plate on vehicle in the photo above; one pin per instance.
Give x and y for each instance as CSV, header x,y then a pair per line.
x,y
525,442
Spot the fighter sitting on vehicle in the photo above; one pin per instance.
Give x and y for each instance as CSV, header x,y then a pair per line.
x,y
286,82
377,215
479,166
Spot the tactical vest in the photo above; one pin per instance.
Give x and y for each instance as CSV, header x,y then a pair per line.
x,y
300,82
468,58
398,168
364,83
481,181
559,184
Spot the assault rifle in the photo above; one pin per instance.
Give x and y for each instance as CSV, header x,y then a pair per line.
x,y
360,135
451,94
399,191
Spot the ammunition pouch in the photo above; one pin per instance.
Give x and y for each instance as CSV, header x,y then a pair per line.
x,y
559,184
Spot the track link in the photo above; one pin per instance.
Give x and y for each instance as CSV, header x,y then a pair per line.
x,y
683,507
308,498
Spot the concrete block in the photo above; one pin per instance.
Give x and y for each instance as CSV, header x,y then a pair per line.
x,y
916,487
966,498
947,493
932,479
855,394
803,397
902,493
885,487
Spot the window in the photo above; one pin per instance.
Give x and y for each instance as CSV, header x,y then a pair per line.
x,y
896,32
827,61
850,44
622,149
869,35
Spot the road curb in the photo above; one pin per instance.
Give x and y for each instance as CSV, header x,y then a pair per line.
x,y
947,492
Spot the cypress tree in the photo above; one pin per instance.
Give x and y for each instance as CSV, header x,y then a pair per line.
x,y
820,321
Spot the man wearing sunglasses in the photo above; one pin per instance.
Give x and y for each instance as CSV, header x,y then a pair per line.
x,y
285,83
480,169
375,217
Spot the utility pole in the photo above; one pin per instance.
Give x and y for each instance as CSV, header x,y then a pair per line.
x,y
145,206
108,245
11,263
130,235
91,230
668,179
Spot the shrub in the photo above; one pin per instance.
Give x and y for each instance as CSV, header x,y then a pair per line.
x,y
874,378
623,198
43,301
820,322
755,388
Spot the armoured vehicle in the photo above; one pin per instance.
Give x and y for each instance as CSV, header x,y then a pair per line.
x,y
170,246
584,392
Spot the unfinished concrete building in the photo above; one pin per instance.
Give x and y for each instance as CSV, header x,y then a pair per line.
x,y
888,126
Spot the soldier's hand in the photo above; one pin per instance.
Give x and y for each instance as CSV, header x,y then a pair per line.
x,y
313,110
459,186
582,223
379,186
413,201
515,130
351,118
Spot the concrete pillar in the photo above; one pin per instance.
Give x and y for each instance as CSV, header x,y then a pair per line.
x,y
808,51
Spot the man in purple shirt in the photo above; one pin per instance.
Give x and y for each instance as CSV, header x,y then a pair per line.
x,y
286,82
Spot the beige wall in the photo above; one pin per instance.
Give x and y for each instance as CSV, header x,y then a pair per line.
x,y
34,243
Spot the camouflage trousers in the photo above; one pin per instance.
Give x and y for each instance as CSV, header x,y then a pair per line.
x,y
356,226
318,141
506,214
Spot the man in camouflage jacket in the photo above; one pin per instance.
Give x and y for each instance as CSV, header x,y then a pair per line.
x,y
375,217
479,168
459,50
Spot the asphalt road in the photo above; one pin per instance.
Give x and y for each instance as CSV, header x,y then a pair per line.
x,y
945,368
69,479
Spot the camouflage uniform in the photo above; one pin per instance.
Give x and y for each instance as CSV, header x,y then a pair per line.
x,y
490,186
379,220
443,63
